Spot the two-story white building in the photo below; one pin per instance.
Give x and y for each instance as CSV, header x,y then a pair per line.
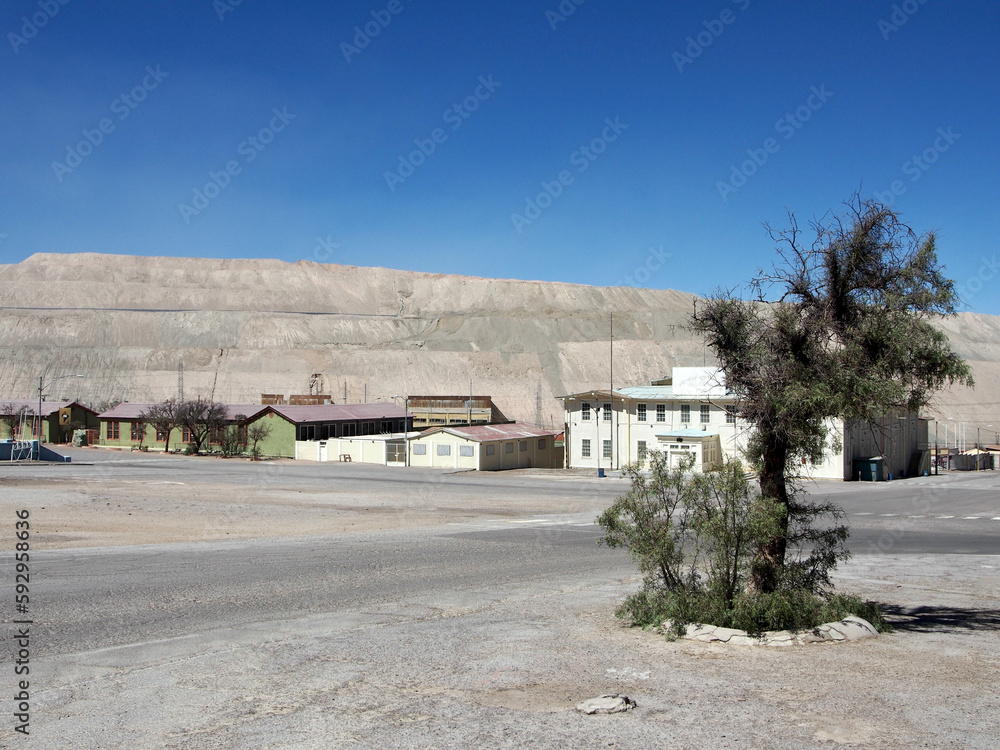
x,y
688,414
692,414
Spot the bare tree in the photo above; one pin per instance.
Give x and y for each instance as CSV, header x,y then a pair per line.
x,y
257,432
164,418
202,419
139,431
11,416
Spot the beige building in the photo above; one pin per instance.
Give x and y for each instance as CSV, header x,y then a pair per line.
x,y
387,450
437,411
486,448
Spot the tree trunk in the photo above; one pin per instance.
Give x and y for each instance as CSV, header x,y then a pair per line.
x,y
770,558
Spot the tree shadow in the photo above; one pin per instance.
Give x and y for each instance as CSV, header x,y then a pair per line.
x,y
927,619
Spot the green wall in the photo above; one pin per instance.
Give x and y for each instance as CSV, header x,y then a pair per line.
x,y
281,441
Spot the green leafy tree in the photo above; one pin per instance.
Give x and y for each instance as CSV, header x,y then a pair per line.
x,y
841,327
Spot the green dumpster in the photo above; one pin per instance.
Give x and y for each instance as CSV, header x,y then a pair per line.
x,y
869,469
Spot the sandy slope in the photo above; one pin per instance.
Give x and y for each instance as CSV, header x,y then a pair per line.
x,y
243,327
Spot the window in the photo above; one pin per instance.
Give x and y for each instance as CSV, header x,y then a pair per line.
x,y
731,414
510,448
541,444
419,449
642,450
466,450
444,450
386,426
187,438
607,449
685,414
491,450
661,412
306,432
161,435
523,445
705,413
607,412
585,412
114,430
640,412
585,449
138,428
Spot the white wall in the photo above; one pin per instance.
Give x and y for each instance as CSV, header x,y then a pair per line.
x,y
360,449
626,431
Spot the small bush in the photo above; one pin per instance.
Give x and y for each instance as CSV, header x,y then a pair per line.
x,y
695,537
795,609
190,449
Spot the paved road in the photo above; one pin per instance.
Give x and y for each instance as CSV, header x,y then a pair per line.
x,y
101,597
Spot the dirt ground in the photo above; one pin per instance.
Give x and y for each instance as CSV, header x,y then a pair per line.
x,y
504,671
106,510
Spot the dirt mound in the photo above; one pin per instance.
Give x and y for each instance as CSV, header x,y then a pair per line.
x,y
246,327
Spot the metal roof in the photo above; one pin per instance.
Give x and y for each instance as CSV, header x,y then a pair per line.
x,y
594,394
337,412
651,392
486,432
48,407
129,410
687,433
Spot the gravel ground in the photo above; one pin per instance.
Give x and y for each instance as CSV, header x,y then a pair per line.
x,y
504,668
493,666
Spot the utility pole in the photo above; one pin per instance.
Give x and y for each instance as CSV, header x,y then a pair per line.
x,y
38,422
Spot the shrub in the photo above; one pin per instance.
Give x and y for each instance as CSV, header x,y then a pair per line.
x,y
696,538
232,443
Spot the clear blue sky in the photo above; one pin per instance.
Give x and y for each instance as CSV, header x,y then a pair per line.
x,y
847,95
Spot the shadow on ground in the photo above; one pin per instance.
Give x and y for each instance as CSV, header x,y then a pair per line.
x,y
938,619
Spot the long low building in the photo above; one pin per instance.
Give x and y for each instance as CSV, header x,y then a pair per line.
x,y
486,447
124,427
323,422
386,450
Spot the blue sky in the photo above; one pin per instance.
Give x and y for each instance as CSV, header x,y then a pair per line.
x,y
619,143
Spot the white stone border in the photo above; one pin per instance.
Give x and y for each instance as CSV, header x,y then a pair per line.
x,y
851,628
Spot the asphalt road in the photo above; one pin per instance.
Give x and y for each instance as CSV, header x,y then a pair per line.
x,y
96,598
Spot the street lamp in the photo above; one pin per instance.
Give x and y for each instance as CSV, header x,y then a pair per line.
x,y
38,432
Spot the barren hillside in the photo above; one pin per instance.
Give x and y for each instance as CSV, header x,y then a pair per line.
x,y
246,327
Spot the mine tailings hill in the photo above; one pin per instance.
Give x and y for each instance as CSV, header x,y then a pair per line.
x,y
247,327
